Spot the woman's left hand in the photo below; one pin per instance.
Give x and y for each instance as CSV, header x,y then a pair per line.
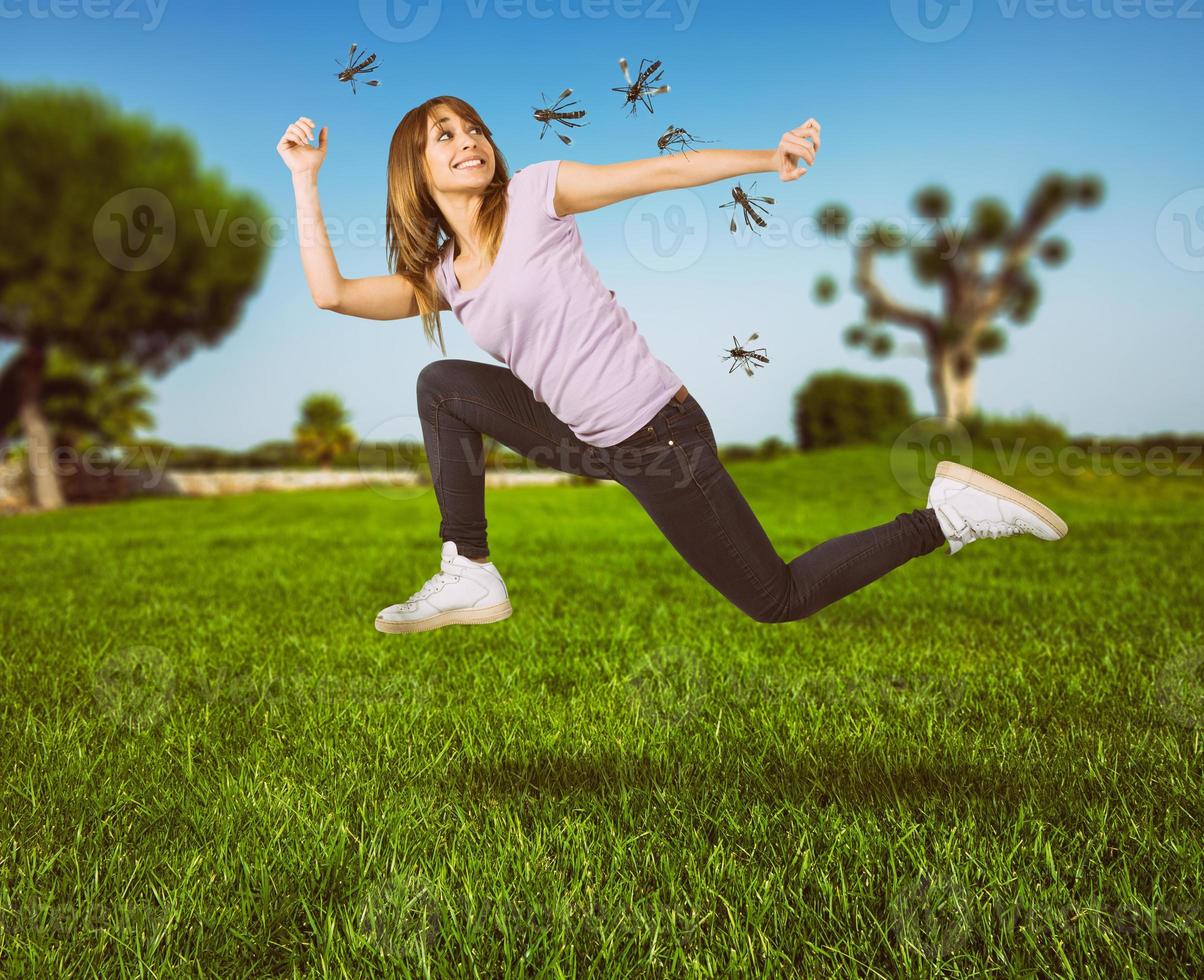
x,y
794,145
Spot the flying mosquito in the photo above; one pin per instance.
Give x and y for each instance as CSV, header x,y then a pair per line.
x,y
356,67
740,198
555,113
743,357
676,136
639,90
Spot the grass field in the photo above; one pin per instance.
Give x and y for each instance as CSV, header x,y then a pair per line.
x,y
214,765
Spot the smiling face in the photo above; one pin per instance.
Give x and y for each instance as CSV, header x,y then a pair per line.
x,y
450,141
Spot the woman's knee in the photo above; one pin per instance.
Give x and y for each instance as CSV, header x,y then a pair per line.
x,y
766,615
438,377
785,608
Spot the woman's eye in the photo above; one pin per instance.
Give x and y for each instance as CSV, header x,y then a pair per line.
x,y
471,128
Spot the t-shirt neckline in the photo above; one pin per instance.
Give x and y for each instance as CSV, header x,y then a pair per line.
x,y
451,268
451,254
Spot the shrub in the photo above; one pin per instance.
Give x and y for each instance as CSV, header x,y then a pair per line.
x,y
1026,430
838,408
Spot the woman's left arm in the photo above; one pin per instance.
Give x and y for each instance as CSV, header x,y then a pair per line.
x,y
587,187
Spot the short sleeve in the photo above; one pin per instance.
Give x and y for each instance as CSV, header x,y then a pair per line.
x,y
538,183
553,169
543,185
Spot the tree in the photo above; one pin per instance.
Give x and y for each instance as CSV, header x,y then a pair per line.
x,y
323,433
117,248
83,404
965,328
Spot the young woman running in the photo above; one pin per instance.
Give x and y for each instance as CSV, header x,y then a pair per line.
x,y
577,387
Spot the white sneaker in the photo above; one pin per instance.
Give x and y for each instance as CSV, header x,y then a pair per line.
x,y
970,505
462,591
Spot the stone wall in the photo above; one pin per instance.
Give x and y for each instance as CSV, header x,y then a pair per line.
x,y
99,487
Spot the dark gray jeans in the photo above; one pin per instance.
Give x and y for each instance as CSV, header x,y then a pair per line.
x,y
672,468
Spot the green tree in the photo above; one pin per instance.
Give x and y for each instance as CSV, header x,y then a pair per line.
x,y
323,433
965,327
118,248
84,404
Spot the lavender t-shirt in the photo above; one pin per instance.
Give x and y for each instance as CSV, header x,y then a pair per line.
x,y
543,312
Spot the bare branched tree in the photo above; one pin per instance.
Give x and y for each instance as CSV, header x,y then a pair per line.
x,y
965,328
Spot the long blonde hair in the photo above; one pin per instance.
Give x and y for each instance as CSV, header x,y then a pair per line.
x,y
416,233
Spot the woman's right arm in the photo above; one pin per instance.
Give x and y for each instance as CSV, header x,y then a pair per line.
x,y
372,297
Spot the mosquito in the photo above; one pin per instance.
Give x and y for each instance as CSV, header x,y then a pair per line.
x,y
740,356
639,91
676,136
741,198
555,113
356,67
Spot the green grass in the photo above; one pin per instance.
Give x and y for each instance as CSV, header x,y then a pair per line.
x,y
214,765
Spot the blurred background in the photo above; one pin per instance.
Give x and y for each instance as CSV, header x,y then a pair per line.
x,y
992,225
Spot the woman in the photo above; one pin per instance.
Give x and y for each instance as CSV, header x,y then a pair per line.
x,y
580,390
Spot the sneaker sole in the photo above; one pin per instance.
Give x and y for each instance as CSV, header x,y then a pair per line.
x,y
465,617
963,474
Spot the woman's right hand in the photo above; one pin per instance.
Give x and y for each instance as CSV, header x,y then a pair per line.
x,y
295,149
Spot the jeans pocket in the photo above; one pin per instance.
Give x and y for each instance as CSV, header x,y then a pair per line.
x,y
640,439
703,428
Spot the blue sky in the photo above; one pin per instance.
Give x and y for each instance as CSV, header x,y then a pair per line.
x,y
981,97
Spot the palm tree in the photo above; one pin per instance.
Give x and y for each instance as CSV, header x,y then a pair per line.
x,y
323,433
84,404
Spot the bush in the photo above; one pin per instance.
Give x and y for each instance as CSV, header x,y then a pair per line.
x,y
1026,430
771,447
838,409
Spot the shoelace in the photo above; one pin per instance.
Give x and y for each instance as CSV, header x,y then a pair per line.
x,y
432,584
984,528
996,529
